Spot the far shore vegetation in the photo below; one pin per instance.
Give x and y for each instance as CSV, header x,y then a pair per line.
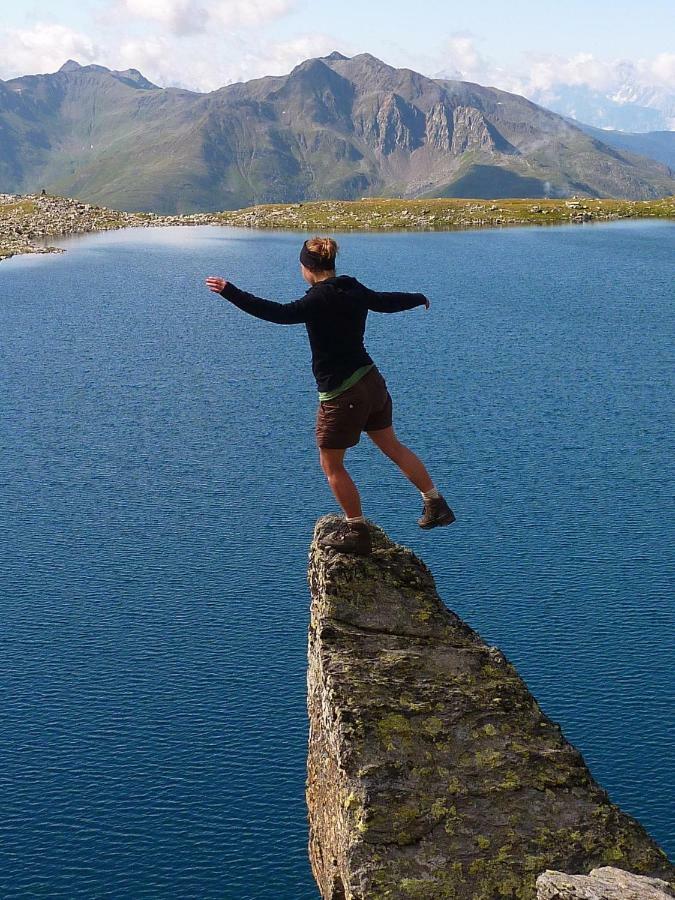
x,y
26,222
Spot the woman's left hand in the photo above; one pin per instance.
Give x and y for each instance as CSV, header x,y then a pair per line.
x,y
215,284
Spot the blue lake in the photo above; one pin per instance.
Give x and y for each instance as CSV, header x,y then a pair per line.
x,y
159,486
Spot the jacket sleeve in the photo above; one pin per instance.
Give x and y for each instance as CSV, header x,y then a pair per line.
x,y
393,301
281,313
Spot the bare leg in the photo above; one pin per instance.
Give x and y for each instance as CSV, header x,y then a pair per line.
x,y
340,481
407,461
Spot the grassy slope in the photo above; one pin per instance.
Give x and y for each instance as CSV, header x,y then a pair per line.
x,y
441,213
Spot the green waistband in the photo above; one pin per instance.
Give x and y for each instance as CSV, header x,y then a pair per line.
x,y
347,383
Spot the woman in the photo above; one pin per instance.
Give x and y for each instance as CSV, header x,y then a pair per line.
x,y
353,395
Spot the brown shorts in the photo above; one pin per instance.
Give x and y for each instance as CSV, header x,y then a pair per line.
x,y
365,406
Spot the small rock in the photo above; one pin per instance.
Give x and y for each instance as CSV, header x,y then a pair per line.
x,y
604,883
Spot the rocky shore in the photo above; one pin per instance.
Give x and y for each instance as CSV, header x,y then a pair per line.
x,y
432,772
28,221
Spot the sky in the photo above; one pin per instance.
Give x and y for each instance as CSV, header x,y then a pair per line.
x,y
523,46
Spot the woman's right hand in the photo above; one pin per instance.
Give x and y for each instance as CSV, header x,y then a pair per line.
x,y
215,284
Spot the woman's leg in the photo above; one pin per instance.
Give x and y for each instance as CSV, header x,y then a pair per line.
x,y
407,461
340,481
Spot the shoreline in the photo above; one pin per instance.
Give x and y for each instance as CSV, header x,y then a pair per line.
x,y
27,222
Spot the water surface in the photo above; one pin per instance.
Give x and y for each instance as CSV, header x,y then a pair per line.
x,y
159,486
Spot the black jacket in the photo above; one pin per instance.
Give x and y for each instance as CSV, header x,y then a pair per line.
x,y
334,312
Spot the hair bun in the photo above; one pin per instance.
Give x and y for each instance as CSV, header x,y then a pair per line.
x,y
324,247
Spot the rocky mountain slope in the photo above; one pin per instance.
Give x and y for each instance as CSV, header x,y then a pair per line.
x,y
334,127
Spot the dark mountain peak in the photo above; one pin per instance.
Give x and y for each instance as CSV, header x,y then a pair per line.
x,y
368,57
70,65
134,78
369,75
74,68
131,77
334,55
363,66
313,66
311,77
314,89
367,62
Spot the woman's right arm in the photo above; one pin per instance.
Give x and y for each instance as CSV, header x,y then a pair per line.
x,y
269,310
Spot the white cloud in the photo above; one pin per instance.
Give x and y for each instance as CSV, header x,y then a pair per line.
x,y
279,57
178,52
183,17
43,48
212,61
661,70
201,63
538,74
152,56
465,59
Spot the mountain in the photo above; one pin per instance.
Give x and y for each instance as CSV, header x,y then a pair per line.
x,y
334,127
658,145
630,107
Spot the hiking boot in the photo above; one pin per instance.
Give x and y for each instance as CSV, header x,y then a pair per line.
x,y
436,512
353,537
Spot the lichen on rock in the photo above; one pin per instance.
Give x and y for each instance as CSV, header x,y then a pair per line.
x,y
432,772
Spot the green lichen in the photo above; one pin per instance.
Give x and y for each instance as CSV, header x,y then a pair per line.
x,y
454,786
422,772
495,879
394,726
351,801
510,782
433,725
488,758
438,808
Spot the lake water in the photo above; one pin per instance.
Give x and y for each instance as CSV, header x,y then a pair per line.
x,y
159,487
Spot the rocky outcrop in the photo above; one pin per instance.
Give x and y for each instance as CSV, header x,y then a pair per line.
x,y
432,771
470,131
396,125
439,126
605,883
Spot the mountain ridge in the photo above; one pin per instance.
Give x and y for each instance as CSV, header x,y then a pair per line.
x,y
657,145
334,127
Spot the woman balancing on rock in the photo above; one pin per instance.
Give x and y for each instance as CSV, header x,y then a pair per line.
x,y
353,395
